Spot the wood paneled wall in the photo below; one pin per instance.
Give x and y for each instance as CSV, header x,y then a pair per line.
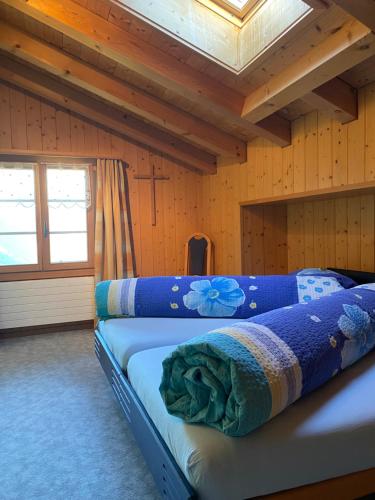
x,y
29,123
332,233
323,154
264,239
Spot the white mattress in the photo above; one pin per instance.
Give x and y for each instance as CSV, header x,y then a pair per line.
x,y
126,336
327,434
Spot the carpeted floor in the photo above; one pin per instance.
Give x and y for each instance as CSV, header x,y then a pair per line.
x,y
62,435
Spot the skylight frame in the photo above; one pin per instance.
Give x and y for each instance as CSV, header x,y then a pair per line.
x,y
240,11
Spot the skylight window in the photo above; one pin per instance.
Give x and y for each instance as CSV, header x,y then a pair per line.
x,y
237,7
238,4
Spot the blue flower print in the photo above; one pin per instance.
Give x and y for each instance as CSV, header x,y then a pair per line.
x,y
217,298
359,331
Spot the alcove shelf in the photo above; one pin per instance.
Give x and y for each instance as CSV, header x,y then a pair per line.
x,y
332,227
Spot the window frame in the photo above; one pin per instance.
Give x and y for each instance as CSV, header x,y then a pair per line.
x,y
45,268
236,11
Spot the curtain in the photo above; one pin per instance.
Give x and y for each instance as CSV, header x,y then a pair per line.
x,y
114,250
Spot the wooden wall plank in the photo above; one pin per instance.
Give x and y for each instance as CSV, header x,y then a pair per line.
x,y
49,134
63,132
341,209
339,154
104,141
324,150
277,171
296,238
330,233
354,233
308,229
5,122
288,171
356,144
33,123
367,232
370,132
170,222
18,118
77,133
299,158
311,151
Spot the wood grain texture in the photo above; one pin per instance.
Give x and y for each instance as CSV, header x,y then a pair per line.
x,y
32,124
325,157
332,233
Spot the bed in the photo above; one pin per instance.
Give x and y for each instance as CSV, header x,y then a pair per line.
x,y
187,461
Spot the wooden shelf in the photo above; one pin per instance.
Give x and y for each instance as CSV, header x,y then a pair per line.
x,y
318,194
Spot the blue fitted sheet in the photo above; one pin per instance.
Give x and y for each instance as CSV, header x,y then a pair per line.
x,y
327,434
126,336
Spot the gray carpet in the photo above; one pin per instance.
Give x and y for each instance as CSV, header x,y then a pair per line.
x,y
62,435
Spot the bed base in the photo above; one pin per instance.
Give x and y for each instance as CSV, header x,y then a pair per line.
x,y
169,479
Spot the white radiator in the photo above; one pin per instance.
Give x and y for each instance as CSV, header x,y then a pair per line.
x,y
43,302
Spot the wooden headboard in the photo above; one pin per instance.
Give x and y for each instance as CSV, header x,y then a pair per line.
x,y
361,277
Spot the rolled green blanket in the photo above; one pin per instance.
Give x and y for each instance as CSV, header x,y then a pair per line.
x,y
236,378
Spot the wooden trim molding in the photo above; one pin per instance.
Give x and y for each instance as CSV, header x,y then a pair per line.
x,y
325,193
25,331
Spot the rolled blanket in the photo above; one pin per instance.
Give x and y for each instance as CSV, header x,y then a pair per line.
x,y
212,296
238,377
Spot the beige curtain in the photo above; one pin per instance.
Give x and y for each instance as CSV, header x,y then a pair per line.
x,y
114,255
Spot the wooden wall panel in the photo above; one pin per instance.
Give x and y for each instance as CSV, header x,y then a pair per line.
x,y
332,233
264,239
29,123
323,154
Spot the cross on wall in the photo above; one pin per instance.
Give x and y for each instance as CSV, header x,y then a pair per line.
x,y
152,178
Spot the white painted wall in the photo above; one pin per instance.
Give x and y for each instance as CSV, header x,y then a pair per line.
x,y
43,302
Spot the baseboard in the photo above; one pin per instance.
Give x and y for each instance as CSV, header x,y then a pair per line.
x,y
25,331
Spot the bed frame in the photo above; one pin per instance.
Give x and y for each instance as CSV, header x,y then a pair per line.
x,y
169,478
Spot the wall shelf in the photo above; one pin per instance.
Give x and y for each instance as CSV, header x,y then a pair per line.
x,y
317,194
332,227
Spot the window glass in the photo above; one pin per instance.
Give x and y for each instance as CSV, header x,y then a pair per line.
x,y
67,212
18,240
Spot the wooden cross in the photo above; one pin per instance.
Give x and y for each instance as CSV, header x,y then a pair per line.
x,y
153,178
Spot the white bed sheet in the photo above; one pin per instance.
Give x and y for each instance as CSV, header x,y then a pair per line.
x,y
327,434
126,336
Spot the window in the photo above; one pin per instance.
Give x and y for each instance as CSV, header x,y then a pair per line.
x,y
46,217
238,7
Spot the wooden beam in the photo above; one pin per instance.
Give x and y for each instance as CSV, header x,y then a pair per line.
x,y
128,50
111,118
337,98
119,93
317,4
135,54
363,10
345,48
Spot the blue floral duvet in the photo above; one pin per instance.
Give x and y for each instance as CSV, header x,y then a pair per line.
x,y
238,297
238,377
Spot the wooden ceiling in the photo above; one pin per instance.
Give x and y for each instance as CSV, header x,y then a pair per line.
x,y
101,61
